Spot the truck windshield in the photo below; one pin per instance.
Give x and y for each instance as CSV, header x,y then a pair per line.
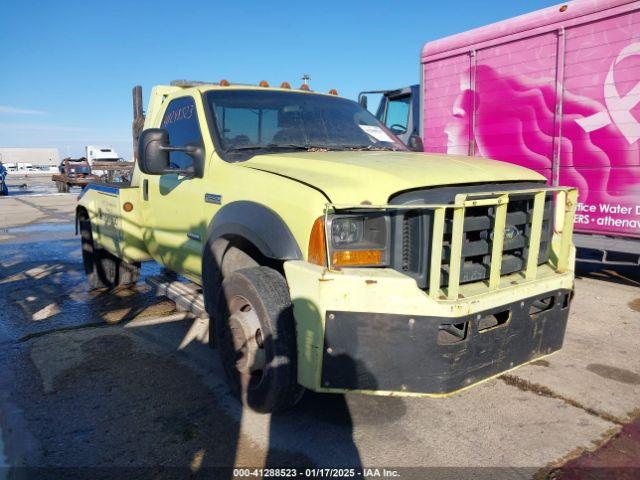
x,y
250,121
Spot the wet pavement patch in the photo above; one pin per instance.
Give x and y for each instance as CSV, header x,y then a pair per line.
x,y
52,227
614,373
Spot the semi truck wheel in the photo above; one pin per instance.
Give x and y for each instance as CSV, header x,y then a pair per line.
x,y
256,338
103,269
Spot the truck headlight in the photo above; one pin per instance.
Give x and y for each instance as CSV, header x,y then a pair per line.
x,y
354,240
346,231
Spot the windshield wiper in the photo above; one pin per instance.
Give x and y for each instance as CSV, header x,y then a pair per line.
x,y
273,146
312,148
370,147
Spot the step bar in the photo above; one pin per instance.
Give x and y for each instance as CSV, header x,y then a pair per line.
x,y
185,294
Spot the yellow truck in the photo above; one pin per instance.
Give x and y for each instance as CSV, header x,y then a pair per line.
x,y
330,257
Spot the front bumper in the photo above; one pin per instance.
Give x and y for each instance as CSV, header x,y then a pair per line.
x,y
374,331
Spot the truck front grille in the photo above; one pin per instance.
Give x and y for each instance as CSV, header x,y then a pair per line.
x,y
413,234
478,235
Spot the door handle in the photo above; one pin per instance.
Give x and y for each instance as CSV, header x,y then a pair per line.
x,y
145,190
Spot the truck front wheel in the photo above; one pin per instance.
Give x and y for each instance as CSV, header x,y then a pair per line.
x,y
103,269
256,336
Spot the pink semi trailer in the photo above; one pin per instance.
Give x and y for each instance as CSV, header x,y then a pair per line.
x,y
558,91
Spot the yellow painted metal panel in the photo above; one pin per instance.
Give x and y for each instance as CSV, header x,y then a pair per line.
x,y
535,235
436,252
566,241
369,176
499,224
456,253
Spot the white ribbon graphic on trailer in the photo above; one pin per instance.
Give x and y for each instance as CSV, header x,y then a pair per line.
x,y
618,108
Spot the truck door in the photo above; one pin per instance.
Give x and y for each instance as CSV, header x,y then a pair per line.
x,y
396,116
399,111
174,229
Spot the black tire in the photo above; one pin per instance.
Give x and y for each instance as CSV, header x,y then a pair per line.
x,y
103,269
273,386
220,260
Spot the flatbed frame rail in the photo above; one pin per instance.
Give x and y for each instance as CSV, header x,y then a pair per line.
x,y
565,197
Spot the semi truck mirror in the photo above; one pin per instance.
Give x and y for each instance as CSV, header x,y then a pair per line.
x,y
415,143
363,101
153,156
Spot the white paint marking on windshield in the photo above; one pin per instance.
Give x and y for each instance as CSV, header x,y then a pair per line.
x,y
376,132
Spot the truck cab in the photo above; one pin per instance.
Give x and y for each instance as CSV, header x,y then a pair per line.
x,y
399,110
330,257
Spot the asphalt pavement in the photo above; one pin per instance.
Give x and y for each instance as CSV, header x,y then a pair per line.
x,y
111,381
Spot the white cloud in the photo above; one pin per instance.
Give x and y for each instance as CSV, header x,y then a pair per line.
x,y
43,127
5,109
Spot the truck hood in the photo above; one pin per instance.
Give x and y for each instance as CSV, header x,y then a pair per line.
x,y
364,176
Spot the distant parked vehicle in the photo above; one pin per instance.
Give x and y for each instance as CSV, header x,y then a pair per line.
x,y
101,160
73,173
3,186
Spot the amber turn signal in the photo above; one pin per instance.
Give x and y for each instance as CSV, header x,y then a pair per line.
x,y
127,206
354,258
317,252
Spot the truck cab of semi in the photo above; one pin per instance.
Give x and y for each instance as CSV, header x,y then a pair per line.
x,y
330,257
399,110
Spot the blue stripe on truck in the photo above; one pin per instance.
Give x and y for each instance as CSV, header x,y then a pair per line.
x,y
100,188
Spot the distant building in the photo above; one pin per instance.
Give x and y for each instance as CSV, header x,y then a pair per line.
x,y
25,159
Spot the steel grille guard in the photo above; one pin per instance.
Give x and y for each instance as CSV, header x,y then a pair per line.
x,y
500,199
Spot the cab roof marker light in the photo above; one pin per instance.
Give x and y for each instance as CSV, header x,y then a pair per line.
x,y
304,87
224,83
263,83
285,85
333,91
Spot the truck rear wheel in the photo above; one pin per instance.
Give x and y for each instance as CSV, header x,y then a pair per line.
x,y
103,269
256,337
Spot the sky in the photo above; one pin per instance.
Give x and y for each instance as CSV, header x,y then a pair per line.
x,y
67,67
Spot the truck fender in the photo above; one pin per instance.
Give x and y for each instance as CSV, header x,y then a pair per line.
x,y
254,223
257,224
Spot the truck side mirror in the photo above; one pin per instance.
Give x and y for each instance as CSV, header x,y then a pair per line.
x,y
152,157
363,101
415,143
154,150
